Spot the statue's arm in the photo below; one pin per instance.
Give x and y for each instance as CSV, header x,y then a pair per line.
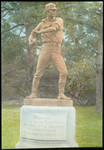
x,y
33,33
49,29
54,27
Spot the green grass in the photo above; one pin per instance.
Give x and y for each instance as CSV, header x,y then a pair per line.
x,y
88,126
10,126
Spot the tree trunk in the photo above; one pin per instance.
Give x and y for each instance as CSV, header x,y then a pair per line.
x,y
30,55
99,80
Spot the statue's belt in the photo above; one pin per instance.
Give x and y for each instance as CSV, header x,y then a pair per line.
x,y
54,43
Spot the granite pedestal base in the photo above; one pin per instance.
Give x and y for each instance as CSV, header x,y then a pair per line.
x,y
47,127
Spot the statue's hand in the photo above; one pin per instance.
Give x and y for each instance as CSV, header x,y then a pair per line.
x,y
38,32
31,40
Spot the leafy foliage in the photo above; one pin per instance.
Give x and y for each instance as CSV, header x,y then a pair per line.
x,y
79,48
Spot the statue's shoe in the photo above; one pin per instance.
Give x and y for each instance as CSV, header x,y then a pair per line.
x,y
32,96
62,96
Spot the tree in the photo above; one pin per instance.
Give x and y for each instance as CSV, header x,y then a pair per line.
x,y
79,48
99,75
84,25
15,22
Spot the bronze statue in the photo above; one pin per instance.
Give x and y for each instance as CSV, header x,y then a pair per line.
x,y
51,30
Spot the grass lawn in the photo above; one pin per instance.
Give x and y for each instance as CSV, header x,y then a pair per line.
x,y
88,126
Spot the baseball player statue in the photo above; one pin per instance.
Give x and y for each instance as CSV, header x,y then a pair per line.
x,y
51,30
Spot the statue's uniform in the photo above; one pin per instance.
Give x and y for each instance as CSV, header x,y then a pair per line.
x,y
50,49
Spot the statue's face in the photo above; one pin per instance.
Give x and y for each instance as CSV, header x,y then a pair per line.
x,y
52,12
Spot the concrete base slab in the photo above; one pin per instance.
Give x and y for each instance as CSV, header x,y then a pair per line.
x,y
26,143
48,102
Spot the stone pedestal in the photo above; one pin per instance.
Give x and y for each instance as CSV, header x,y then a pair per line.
x,y
47,126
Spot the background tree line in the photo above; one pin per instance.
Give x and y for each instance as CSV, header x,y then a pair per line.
x,y
81,49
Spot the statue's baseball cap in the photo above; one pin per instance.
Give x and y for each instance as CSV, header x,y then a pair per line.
x,y
50,6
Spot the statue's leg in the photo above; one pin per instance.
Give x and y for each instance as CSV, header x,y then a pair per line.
x,y
61,66
62,82
42,61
